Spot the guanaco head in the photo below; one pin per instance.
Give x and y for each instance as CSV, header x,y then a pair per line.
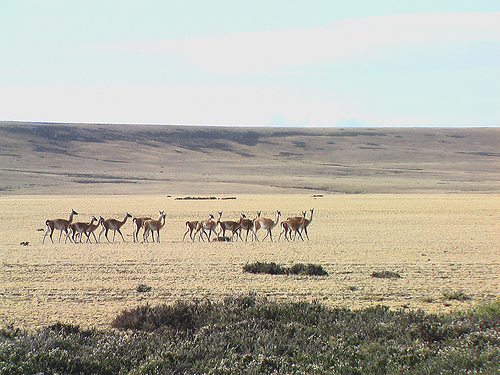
x,y
73,212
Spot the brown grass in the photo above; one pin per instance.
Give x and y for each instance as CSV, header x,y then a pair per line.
x,y
437,242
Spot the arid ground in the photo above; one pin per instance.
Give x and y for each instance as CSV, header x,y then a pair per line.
x,y
423,203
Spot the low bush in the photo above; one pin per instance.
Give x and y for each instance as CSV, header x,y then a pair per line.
x,y
276,269
386,275
143,288
455,295
264,267
488,310
251,335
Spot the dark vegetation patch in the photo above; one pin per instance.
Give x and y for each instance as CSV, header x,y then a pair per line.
x,y
386,275
192,138
251,335
276,269
480,153
54,132
300,144
87,177
288,154
358,133
143,288
13,155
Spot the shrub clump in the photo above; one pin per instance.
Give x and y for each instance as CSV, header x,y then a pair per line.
x,y
386,275
455,295
143,288
265,267
251,335
180,316
276,269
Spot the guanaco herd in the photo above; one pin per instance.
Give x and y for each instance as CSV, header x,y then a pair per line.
x,y
74,231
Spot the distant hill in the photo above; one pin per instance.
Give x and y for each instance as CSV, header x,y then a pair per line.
x,y
39,158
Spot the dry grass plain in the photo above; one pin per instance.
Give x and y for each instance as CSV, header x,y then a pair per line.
x,y
438,243
424,203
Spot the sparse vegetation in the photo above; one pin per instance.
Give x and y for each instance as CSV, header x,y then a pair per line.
x,y
276,269
455,295
249,334
386,275
142,288
488,310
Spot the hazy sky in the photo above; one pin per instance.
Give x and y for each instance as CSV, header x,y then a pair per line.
x,y
305,63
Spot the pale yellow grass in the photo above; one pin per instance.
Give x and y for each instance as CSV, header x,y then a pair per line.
x,y
437,243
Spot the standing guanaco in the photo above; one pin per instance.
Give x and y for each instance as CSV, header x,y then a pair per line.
x,y
267,224
154,225
206,225
78,228
114,225
233,226
59,224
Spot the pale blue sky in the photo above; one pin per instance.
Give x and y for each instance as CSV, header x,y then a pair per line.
x,y
294,63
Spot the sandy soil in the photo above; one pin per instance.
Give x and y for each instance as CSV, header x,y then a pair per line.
x,y
438,243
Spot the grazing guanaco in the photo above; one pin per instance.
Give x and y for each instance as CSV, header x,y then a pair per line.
x,y
154,225
114,225
206,225
267,224
78,228
138,224
233,226
59,224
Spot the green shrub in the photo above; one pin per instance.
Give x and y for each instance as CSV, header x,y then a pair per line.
x,y
179,316
488,310
250,335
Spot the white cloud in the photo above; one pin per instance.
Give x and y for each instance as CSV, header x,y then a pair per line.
x,y
351,39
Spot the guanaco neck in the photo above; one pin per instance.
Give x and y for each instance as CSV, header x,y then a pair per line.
x,y
124,220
